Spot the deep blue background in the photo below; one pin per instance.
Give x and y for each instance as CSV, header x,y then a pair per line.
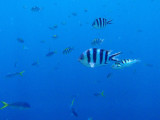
x,y
130,94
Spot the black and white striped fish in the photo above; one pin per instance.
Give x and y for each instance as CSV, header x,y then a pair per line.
x,y
101,22
124,63
97,41
96,57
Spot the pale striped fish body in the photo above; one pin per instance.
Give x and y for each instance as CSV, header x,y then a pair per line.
x,y
100,23
124,63
97,41
94,57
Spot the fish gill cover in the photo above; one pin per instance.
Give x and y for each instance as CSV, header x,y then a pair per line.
x,y
79,59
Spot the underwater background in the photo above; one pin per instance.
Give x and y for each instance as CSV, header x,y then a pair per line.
x,y
29,29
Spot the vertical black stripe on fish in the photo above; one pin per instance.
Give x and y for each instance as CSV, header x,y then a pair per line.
x,y
94,54
104,22
101,56
97,22
88,56
106,57
100,22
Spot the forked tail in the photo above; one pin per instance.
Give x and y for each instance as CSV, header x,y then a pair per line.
x,y
4,105
112,57
21,73
102,93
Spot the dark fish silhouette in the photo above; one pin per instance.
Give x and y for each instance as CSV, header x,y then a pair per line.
x,y
53,27
50,53
109,75
74,14
20,40
74,112
35,9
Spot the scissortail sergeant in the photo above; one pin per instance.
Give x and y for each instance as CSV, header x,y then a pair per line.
x,y
67,50
96,57
97,41
100,23
124,63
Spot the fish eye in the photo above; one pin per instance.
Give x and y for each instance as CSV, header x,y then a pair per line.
x,y
81,57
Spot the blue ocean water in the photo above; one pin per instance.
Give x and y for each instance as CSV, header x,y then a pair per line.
x,y
131,93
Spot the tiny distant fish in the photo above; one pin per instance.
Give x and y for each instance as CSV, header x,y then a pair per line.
x,y
101,22
149,65
20,105
20,40
99,94
74,112
96,57
67,50
50,53
53,27
9,75
54,36
124,63
109,75
35,63
85,10
97,41
35,9
74,14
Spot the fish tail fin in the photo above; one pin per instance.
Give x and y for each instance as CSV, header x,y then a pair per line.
x,y
111,58
21,73
102,93
72,102
109,22
4,105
